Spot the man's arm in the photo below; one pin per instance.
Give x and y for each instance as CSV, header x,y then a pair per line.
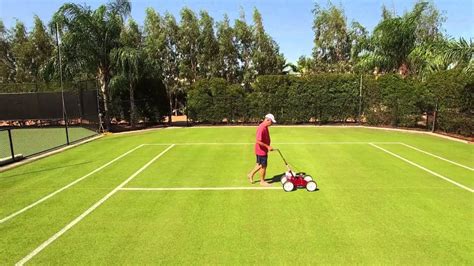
x,y
265,145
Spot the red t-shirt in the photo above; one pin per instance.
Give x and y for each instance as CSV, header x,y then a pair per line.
x,y
264,136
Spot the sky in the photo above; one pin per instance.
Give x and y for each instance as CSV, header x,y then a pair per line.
x,y
289,22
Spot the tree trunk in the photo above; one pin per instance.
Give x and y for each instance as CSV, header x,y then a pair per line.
x,y
170,114
435,116
104,79
427,121
170,99
176,102
403,70
132,106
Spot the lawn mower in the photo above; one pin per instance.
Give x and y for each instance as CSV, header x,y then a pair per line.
x,y
291,180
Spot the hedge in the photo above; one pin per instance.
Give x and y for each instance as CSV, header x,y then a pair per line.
x,y
329,98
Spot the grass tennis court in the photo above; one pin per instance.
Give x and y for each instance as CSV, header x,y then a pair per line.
x,y
26,140
385,197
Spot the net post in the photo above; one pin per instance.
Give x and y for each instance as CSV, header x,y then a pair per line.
x,y
360,101
62,86
11,143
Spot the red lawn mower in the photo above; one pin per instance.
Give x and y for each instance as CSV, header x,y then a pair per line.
x,y
291,180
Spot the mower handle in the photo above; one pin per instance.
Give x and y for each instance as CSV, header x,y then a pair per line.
x,y
284,160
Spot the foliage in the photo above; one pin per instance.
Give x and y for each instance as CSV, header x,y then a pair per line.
x,y
451,95
328,98
207,47
331,41
88,37
188,46
245,47
215,101
228,63
234,71
402,43
129,61
266,57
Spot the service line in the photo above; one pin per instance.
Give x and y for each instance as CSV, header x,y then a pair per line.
x,y
88,211
423,168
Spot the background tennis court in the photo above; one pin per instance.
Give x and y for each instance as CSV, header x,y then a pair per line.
x,y
385,197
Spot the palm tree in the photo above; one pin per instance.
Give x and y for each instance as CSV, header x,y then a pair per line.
x,y
442,55
393,40
459,53
129,61
89,36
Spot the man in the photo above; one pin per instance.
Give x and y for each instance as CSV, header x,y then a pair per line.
x,y
262,147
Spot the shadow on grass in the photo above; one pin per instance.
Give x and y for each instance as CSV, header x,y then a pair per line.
x,y
275,178
48,169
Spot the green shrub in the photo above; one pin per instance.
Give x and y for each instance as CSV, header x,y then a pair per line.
x,y
215,100
325,98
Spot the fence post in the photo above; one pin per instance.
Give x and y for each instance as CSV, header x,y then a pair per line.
x,y
360,100
62,87
11,144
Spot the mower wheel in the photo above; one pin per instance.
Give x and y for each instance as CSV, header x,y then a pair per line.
x,y
288,186
283,179
311,186
308,178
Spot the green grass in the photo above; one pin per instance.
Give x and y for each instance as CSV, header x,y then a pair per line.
x,y
372,208
29,141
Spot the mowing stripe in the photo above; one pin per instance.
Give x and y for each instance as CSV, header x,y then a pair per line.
x,y
282,143
67,186
88,211
436,156
423,168
194,188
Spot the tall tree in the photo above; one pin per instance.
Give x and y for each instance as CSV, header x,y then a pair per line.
x,y
245,47
42,47
89,36
393,40
266,55
129,61
161,46
359,42
423,59
21,52
429,25
188,46
207,46
332,45
7,62
154,39
228,56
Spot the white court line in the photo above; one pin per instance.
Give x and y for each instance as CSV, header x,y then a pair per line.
x,y
343,127
424,168
195,188
67,186
439,157
281,143
88,211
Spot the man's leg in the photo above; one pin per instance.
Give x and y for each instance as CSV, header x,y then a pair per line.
x,y
253,172
263,172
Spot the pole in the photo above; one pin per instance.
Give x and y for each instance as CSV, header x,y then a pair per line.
x,y
11,144
62,87
99,114
360,100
